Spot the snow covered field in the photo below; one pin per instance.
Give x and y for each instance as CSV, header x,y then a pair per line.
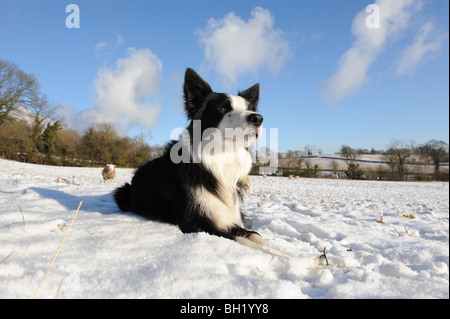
x,y
382,239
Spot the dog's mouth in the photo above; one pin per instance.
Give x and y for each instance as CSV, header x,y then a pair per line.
x,y
251,136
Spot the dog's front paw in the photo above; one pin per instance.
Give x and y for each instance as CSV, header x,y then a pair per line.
x,y
256,238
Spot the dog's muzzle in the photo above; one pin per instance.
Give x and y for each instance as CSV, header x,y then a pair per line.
x,y
255,119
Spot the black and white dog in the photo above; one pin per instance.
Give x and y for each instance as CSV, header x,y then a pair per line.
x,y
197,183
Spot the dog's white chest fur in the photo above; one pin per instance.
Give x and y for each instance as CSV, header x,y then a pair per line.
x,y
228,168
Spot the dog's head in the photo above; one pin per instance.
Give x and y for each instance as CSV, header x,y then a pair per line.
x,y
234,116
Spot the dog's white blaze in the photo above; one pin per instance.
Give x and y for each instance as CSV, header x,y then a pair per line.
x,y
228,168
238,103
223,213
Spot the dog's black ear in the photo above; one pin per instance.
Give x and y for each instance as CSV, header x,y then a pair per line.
x,y
195,90
252,96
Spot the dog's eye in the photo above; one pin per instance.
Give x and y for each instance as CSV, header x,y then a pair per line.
x,y
223,109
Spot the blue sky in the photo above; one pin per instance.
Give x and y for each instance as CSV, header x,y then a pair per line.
x,y
326,78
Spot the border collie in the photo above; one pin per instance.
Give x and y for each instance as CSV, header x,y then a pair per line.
x,y
204,191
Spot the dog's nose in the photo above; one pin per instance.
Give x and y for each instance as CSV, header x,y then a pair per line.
x,y
255,119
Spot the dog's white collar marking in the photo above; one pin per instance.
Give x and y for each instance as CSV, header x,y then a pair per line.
x,y
238,103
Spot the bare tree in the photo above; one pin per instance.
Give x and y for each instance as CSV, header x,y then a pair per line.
x,y
335,168
348,154
18,90
309,150
435,151
396,157
20,98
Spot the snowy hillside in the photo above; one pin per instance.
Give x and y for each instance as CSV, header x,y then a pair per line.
x,y
382,239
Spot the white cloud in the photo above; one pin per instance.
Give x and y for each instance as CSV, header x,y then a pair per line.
x,y
99,46
234,47
106,49
395,17
418,51
119,40
123,92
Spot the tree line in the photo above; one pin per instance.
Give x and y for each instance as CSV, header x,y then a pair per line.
x,y
404,161
30,130
100,144
399,154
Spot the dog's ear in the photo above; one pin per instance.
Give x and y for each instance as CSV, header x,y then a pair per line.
x,y
195,90
252,96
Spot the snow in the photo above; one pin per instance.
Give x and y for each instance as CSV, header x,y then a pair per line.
x,y
382,239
